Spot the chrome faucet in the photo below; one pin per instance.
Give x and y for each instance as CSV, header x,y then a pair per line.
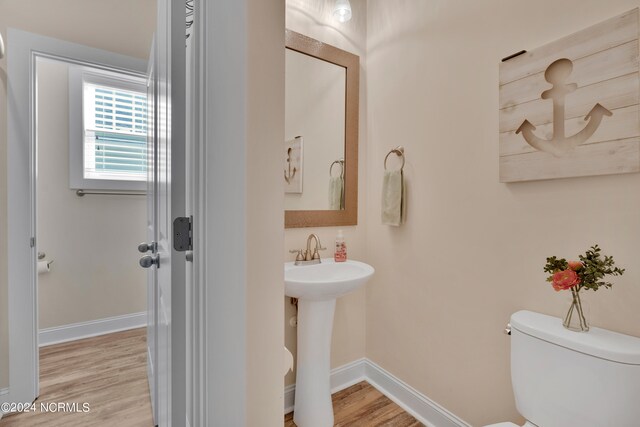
x,y
308,256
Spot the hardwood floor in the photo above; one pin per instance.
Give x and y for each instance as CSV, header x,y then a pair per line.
x,y
108,372
361,405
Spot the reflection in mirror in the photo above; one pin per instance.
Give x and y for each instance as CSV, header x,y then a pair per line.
x,y
320,152
314,130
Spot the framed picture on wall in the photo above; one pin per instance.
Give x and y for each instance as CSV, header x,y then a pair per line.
x,y
293,166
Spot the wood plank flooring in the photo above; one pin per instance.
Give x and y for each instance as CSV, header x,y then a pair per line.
x,y
108,372
361,405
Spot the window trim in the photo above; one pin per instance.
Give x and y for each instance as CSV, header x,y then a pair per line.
x,y
77,76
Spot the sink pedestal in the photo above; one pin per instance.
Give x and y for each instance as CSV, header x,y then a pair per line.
x,y
317,286
313,406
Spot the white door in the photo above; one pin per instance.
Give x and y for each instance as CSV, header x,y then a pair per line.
x,y
24,50
166,185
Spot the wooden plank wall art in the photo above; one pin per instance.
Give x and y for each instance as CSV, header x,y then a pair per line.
x,y
570,108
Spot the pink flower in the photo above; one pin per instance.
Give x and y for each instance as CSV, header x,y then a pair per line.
x,y
565,279
575,265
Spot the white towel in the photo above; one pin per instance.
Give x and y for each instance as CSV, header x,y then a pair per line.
x,y
392,197
336,187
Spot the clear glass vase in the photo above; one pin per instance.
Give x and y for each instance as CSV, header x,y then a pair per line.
x,y
575,319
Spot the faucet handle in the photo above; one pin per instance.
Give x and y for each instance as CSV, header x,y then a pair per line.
x,y
299,256
316,255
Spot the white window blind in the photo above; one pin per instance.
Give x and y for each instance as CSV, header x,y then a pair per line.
x,y
114,132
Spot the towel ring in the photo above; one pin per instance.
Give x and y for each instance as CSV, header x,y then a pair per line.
x,y
341,163
398,151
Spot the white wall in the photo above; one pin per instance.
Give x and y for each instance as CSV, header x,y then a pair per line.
x,y
92,239
472,250
135,24
313,18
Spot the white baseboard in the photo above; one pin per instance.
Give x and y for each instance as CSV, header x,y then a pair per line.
x,y
415,403
347,375
341,377
411,400
93,328
289,398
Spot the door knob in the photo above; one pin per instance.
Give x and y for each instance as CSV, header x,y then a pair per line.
x,y
149,260
146,247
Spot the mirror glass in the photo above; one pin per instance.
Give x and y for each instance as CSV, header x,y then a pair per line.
x,y
320,151
314,133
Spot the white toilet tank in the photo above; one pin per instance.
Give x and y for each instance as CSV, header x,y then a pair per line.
x,y
573,379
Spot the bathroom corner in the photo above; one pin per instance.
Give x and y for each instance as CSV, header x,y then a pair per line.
x,y
313,18
472,250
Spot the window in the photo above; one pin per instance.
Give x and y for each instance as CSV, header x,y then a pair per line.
x,y
108,132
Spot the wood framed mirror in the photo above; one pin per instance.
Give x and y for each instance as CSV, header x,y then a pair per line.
x,y
321,134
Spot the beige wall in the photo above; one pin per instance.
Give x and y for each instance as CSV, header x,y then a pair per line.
x,y
244,129
136,23
93,239
313,18
265,201
472,250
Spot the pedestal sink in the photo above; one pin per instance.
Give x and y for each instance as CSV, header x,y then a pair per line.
x,y
317,287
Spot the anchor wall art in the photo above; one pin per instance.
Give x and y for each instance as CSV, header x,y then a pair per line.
x,y
570,108
293,165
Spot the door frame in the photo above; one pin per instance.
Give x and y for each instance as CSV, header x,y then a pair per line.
x,y
23,50
195,203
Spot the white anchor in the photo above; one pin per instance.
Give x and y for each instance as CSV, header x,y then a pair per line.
x,y
556,74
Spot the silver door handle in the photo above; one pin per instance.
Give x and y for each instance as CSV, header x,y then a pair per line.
x,y
150,260
146,247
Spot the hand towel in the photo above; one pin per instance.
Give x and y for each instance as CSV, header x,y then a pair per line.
x,y
392,197
336,187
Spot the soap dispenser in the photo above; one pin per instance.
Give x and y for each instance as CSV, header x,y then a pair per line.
x,y
341,248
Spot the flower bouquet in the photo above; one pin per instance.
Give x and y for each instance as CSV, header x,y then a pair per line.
x,y
588,273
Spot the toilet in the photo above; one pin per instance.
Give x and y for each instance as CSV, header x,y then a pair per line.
x,y
562,378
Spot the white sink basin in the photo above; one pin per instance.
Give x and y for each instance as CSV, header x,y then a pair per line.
x,y
325,281
317,286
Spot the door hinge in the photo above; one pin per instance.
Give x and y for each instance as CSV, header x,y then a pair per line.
x,y
183,234
32,242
